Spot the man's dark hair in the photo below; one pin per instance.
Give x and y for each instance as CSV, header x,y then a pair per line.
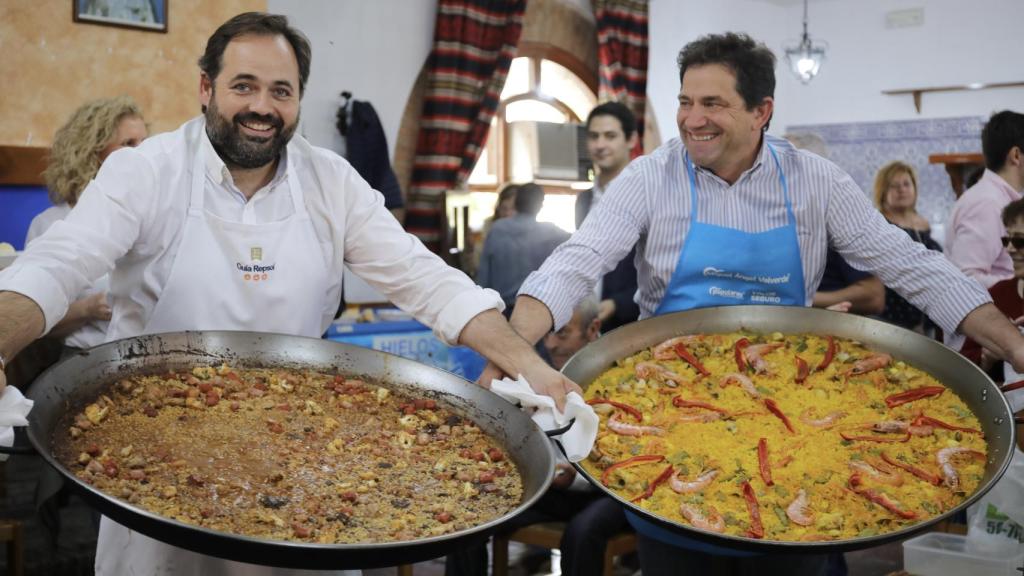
x,y
1013,212
529,199
259,24
751,61
1003,131
618,110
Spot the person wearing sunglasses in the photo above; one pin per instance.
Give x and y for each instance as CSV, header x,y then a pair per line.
x,y
1008,296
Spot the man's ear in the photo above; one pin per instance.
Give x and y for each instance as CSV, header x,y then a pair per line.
x,y
633,139
205,90
763,113
594,330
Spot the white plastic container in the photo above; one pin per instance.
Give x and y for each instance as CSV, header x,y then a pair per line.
x,y
941,554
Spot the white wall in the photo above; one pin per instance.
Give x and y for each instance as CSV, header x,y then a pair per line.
x,y
372,48
960,42
376,48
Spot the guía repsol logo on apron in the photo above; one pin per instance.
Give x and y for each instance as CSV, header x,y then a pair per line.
x,y
255,271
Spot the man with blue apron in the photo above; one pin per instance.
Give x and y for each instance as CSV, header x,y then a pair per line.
x,y
743,264
727,214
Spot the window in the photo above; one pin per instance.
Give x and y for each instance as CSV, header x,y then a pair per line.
x,y
540,90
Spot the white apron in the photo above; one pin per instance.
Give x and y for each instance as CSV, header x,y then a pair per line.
x,y
227,276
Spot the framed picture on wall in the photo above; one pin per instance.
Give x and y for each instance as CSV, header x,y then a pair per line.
x,y
139,14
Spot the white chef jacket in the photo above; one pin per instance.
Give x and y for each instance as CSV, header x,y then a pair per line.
x,y
94,332
133,213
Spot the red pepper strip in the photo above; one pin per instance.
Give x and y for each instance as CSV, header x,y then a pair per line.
x,y
756,528
774,409
802,370
680,402
922,474
741,361
880,499
911,395
624,407
691,359
634,461
762,461
929,421
830,352
665,475
875,438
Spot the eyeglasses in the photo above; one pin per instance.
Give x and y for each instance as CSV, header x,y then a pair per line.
x,y
1017,241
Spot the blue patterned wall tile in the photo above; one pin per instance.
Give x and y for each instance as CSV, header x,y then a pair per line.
x,y
862,148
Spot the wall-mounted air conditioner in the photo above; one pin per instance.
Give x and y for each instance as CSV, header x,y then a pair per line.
x,y
548,151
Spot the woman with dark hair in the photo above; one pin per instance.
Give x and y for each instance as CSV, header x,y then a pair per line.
x,y
896,199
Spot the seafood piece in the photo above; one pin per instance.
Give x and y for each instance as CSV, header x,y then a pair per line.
x,y
655,371
869,364
799,510
878,471
856,484
912,395
894,426
742,380
623,429
703,417
755,353
628,463
702,481
667,349
945,458
922,474
830,419
621,406
712,521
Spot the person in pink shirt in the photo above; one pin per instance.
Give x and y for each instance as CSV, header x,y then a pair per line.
x,y
972,238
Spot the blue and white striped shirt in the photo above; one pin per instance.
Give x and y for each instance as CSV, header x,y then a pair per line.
x,y
649,205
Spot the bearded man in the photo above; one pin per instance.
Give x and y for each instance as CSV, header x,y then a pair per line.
x,y
232,222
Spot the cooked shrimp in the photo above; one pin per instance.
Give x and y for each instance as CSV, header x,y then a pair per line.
x,y
830,419
700,417
624,429
873,362
713,521
701,482
899,426
667,349
877,471
945,459
653,371
754,355
742,380
799,510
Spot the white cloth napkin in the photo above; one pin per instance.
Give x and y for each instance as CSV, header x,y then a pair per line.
x,y
13,411
578,440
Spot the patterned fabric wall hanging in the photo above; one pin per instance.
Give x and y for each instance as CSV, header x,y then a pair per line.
x,y
474,43
622,56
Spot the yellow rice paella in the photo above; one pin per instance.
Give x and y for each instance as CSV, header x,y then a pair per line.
x,y
782,437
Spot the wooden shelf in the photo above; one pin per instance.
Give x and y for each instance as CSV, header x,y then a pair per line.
x,y
958,166
22,165
917,92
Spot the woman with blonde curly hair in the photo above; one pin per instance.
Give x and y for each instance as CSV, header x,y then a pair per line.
x,y
896,199
92,133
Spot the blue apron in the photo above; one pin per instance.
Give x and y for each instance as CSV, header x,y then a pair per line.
x,y
721,266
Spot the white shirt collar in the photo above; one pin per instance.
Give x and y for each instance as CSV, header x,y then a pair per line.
x,y
217,171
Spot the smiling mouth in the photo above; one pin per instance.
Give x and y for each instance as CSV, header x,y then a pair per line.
x,y
702,137
257,126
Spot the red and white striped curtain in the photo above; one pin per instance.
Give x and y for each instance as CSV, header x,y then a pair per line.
x,y
622,56
474,43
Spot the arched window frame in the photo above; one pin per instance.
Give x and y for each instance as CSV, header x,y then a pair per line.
x,y
536,52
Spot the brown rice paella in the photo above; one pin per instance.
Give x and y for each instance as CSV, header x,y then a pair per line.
x,y
289,455
782,437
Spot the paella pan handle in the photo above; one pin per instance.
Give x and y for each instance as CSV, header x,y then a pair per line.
x,y
20,449
560,431
1018,418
